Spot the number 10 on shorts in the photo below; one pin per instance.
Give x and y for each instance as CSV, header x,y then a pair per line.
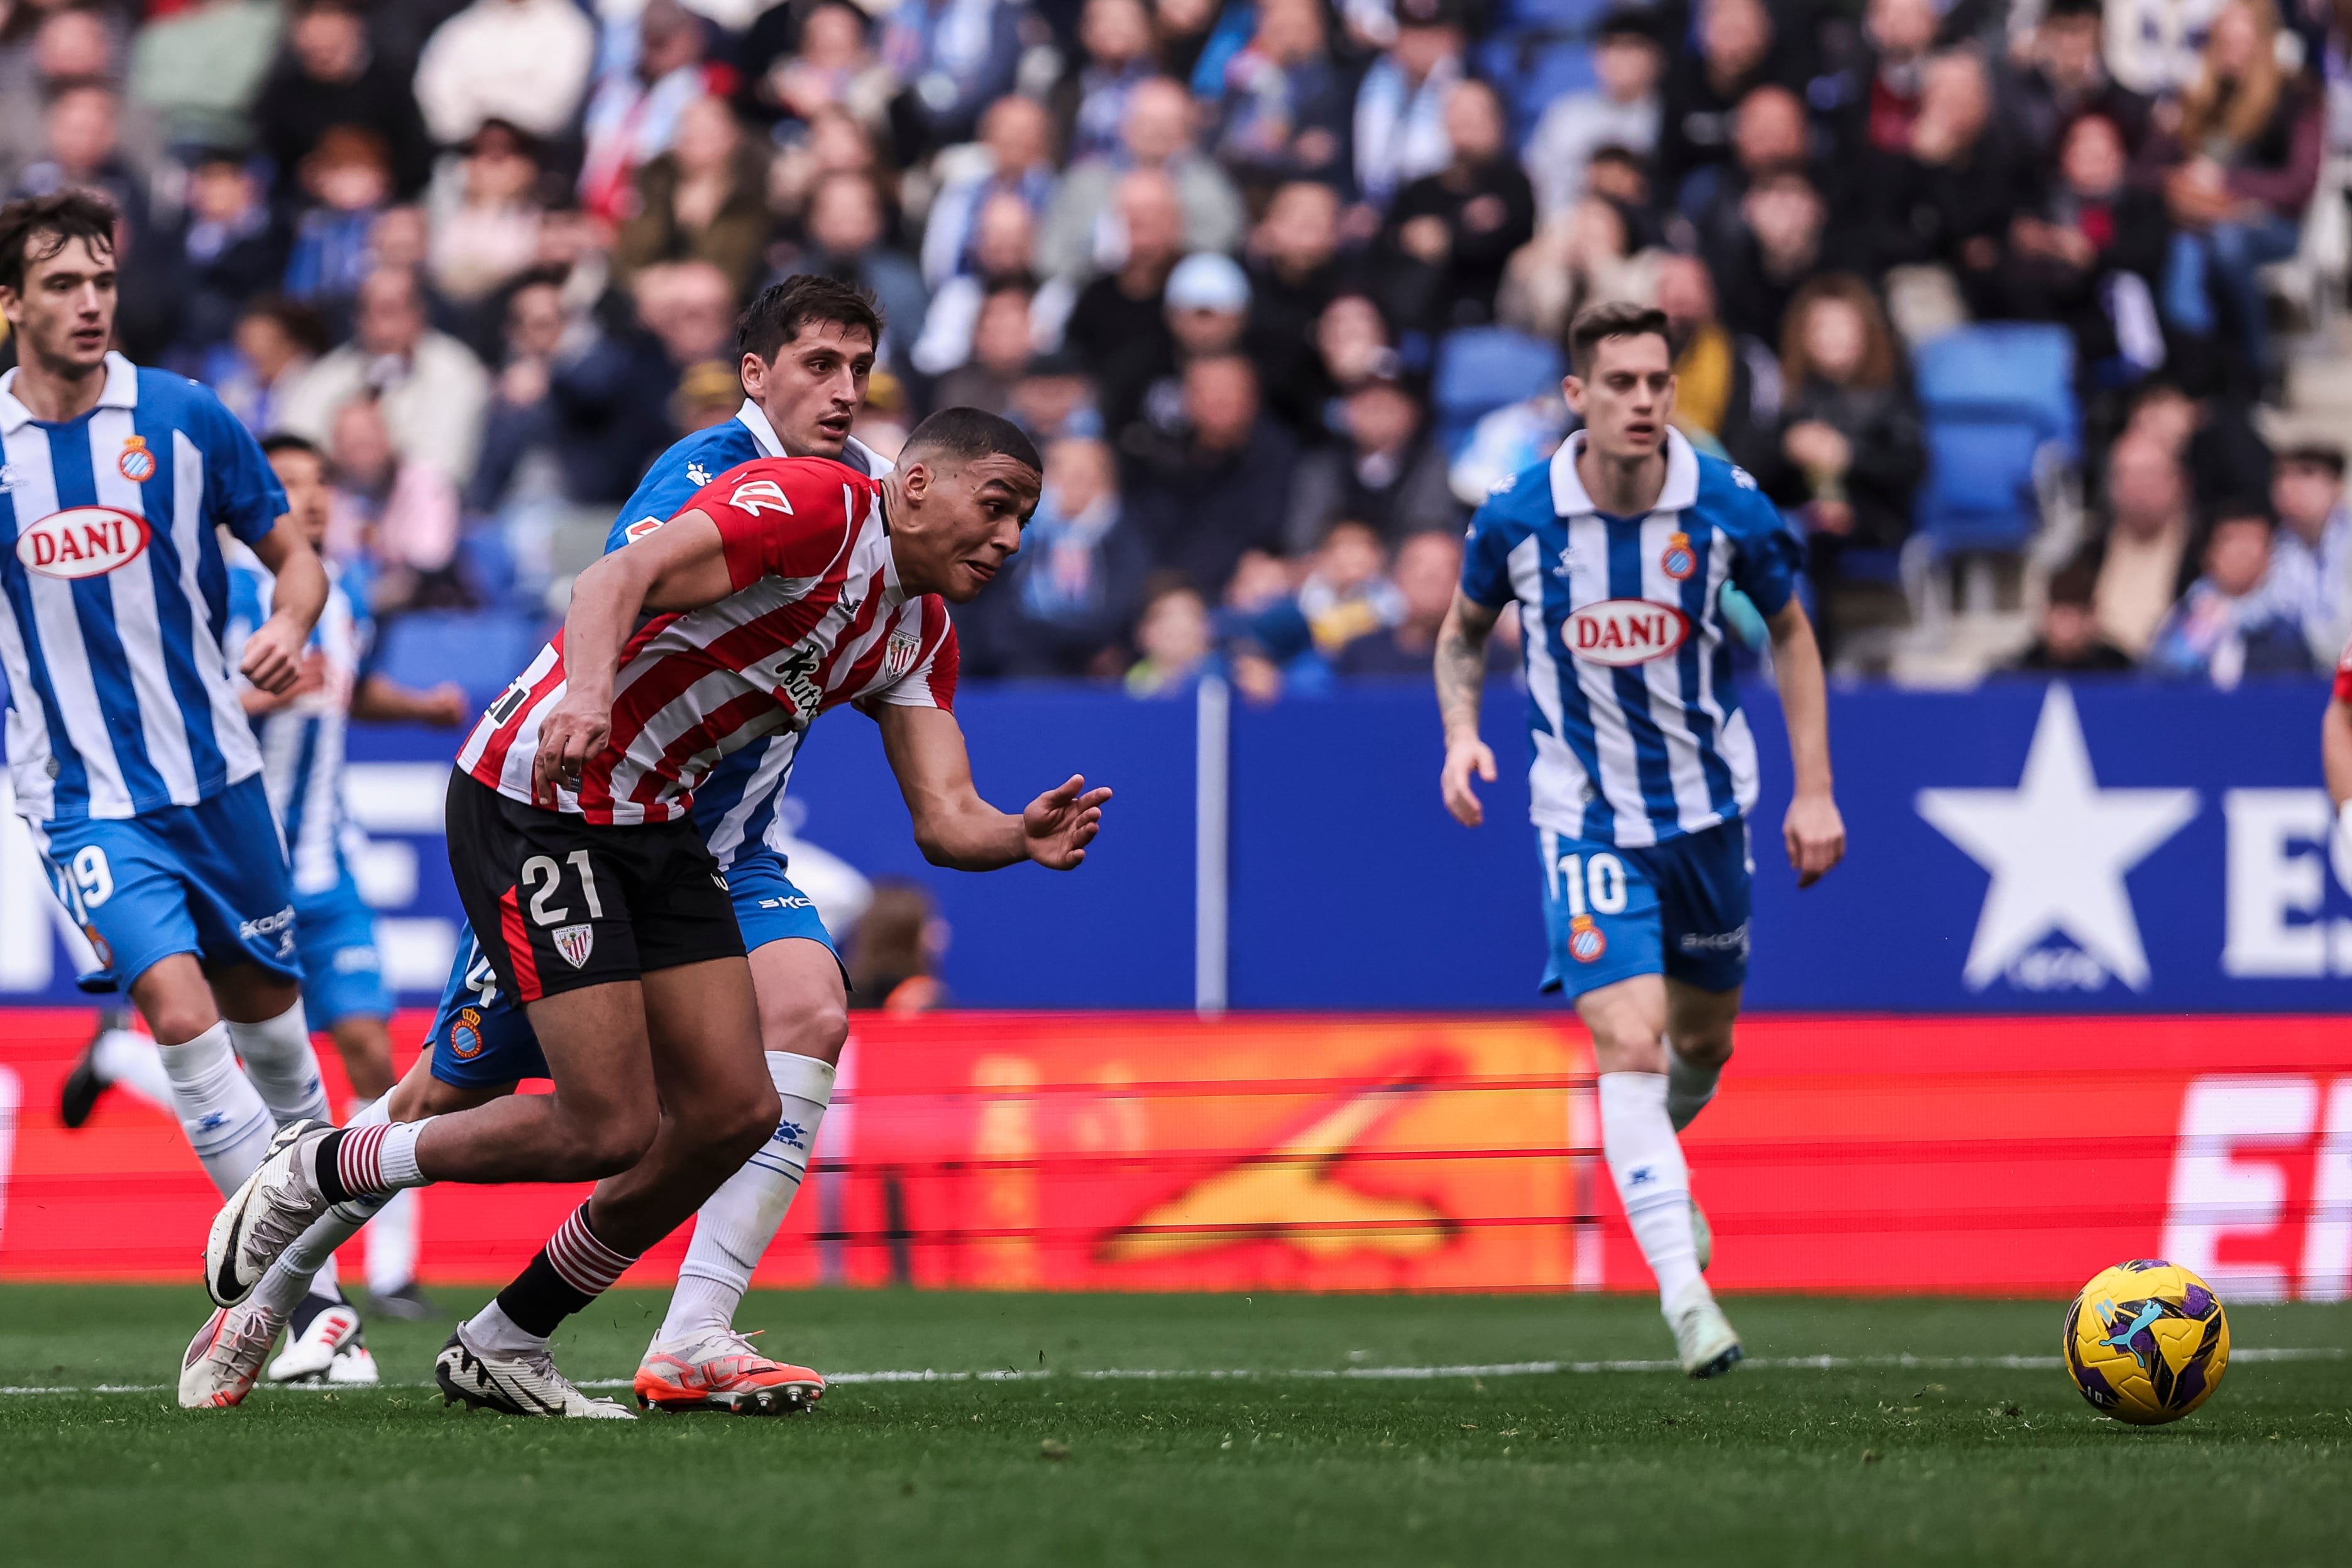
x,y
1599,877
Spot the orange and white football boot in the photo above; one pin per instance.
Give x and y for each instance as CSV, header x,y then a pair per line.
x,y
225,1356
720,1371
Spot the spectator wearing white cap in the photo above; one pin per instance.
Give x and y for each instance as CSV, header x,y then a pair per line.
x,y
1208,303
522,61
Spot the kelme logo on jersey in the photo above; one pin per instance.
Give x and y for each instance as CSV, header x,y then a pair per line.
x,y
1620,631
81,541
1678,561
137,463
1585,941
575,943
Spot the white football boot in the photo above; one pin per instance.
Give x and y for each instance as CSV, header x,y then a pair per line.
x,y
262,1218
1701,1236
225,1356
525,1384
328,1351
1703,1336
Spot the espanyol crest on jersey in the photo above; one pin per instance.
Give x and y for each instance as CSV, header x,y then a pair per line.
x,y
1634,731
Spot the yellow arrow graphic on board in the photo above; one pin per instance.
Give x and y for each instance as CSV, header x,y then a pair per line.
x,y
1291,1194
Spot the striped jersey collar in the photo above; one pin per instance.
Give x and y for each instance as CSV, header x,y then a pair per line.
x,y
122,391
1679,494
855,453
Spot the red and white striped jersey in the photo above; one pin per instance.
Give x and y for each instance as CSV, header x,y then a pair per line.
x,y
817,619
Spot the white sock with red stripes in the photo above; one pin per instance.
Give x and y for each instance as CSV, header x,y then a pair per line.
x,y
371,1161
572,1270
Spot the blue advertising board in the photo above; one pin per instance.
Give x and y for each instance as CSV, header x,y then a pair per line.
x,y
2019,848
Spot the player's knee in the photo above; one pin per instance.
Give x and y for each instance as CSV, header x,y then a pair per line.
x,y
817,1029
748,1124
607,1145
175,1020
1710,1047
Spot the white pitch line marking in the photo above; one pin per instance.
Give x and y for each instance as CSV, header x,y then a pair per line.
x,y
1335,1375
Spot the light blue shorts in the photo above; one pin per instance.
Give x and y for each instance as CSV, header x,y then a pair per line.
x,y
208,879
1679,909
342,972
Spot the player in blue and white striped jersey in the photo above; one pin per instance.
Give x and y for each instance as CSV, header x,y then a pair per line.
x,y
1617,556
132,760
301,732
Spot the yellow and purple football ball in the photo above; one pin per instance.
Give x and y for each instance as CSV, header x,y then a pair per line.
x,y
2147,1341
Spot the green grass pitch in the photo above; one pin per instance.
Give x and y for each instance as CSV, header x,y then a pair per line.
x,y
1864,1462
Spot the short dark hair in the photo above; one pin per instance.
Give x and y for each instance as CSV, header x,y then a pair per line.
x,y
967,435
781,309
2076,583
278,441
2242,509
63,217
1614,318
2074,10
2315,455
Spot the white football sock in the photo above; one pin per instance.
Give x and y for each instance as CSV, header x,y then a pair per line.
x,y
737,1223
309,1263
392,1244
226,1122
1652,1182
494,1332
131,1062
279,1060
1689,1087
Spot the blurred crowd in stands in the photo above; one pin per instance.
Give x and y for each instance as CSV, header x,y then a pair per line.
x,y
1278,285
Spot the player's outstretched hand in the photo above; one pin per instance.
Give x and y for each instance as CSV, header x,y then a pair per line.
x,y
273,655
1463,757
1816,836
1059,824
568,737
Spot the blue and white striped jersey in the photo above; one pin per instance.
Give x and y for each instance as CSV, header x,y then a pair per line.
x,y
1633,725
121,700
735,804
302,743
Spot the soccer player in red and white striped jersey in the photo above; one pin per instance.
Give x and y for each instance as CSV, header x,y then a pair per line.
x,y
786,587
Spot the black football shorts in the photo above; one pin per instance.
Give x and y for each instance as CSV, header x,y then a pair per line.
x,y
559,904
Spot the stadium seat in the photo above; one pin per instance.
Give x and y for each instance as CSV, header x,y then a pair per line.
x,y
1479,370
479,650
1576,16
1999,406
1532,69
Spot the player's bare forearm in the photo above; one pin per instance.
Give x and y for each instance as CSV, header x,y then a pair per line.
x,y
1460,670
1461,664
382,700
953,826
299,594
1814,831
1804,698
2335,750
273,654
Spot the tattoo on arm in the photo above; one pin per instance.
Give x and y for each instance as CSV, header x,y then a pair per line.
x,y
1461,662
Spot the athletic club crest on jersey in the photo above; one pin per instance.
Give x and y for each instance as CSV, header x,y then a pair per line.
x,y
1678,562
138,464
575,943
900,653
1585,941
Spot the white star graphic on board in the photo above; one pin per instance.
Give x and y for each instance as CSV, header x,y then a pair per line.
x,y
2058,847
